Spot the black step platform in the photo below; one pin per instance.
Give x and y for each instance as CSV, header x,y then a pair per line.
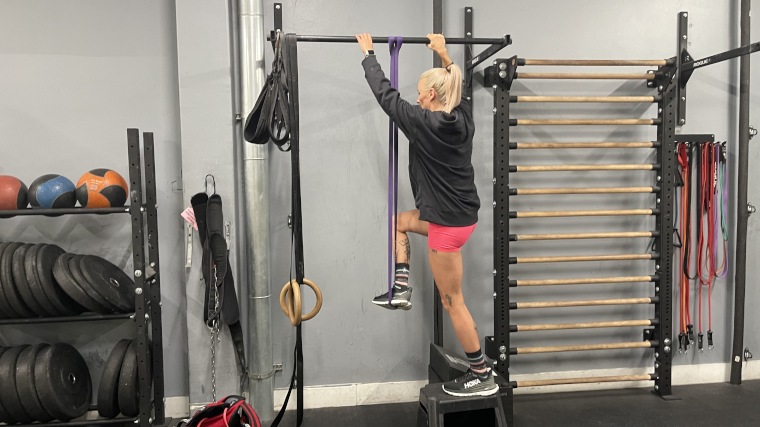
x,y
445,366
438,409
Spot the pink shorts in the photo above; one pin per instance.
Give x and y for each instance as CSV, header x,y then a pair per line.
x,y
448,239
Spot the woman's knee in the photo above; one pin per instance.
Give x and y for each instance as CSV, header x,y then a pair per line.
x,y
452,301
405,221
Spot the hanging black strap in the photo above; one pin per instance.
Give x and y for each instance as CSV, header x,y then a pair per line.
x,y
290,55
208,215
270,117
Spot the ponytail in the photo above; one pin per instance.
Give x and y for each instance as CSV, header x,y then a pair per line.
x,y
447,83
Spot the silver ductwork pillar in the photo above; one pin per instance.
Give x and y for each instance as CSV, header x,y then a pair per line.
x,y
254,210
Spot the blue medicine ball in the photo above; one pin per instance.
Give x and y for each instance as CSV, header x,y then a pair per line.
x,y
52,191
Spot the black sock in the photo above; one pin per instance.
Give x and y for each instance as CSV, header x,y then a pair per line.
x,y
477,362
402,274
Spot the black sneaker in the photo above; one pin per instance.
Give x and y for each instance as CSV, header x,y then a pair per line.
x,y
402,296
472,384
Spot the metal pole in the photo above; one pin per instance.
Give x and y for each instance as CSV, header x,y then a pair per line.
x,y
741,204
437,305
256,207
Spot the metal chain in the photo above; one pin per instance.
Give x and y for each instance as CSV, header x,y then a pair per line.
x,y
215,338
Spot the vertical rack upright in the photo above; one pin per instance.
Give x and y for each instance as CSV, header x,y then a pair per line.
x,y
144,217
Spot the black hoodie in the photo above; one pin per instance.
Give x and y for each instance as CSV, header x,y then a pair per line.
x,y
440,153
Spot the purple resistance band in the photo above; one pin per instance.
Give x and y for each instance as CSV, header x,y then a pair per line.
x,y
394,43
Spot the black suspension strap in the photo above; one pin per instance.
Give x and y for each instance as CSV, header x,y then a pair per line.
x,y
271,115
276,116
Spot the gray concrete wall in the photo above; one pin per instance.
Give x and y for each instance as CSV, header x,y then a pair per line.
x,y
343,164
205,105
75,76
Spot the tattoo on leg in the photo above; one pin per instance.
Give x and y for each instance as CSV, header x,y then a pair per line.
x,y
435,251
448,298
407,249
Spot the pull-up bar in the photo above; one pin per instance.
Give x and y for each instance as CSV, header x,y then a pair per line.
x,y
505,40
496,44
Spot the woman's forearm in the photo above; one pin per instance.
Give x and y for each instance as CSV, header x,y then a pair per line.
x,y
445,58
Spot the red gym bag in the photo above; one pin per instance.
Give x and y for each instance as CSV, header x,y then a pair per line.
x,y
232,411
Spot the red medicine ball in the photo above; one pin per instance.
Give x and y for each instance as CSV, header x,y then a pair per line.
x,y
13,193
101,188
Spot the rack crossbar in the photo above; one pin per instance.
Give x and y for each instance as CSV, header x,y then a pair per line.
x,y
567,145
584,281
600,99
584,347
582,258
587,380
587,190
580,303
581,325
597,62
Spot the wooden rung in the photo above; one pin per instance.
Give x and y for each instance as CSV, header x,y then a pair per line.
x,y
583,281
553,214
581,325
570,236
583,347
614,99
568,145
586,76
576,122
584,303
597,190
560,168
595,62
582,258
587,380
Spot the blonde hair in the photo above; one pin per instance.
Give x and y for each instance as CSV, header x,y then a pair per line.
x,y
447,84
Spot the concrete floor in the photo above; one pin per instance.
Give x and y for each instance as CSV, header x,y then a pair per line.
x,y
700,405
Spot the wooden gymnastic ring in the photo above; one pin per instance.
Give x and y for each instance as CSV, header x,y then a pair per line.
x,y
291,303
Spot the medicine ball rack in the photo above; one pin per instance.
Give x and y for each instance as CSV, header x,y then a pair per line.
x,y
147,315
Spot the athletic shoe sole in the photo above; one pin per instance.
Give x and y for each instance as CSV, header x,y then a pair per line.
x,y
488,392
399,303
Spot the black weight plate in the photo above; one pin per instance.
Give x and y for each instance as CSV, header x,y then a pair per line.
x,y
5,308
19,279
63,382
4,415
68,283
129,397
46,257
8,393
86,286
25,386
9,284
110,282
108,390
35,287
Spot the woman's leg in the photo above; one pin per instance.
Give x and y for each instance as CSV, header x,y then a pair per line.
x,y
408,221
447,272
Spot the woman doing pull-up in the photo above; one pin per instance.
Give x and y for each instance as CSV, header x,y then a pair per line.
x,y
440,130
